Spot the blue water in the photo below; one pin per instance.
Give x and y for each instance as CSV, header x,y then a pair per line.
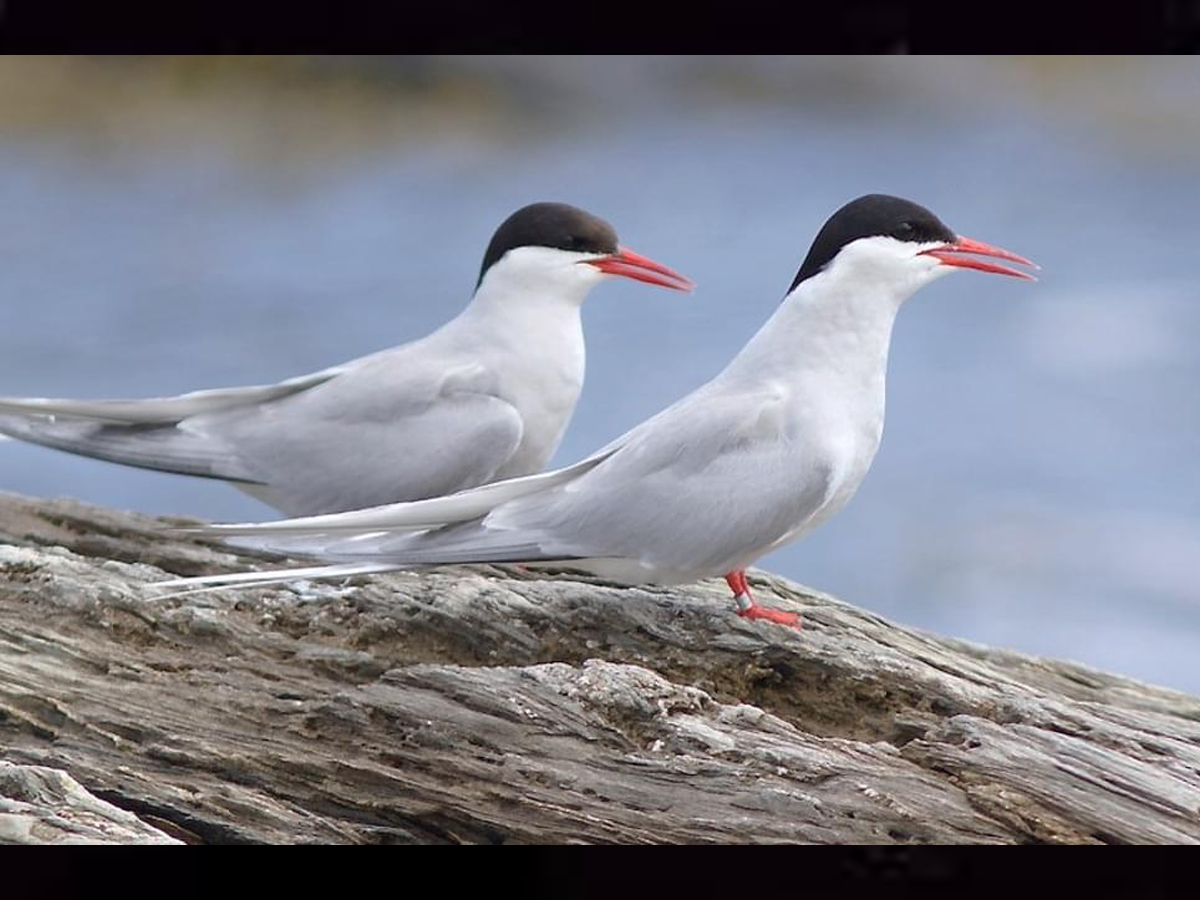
x,y
1037,487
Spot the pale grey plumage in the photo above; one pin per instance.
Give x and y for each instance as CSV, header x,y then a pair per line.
x,y
775,444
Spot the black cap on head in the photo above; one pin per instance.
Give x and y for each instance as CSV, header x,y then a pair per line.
x,y
875,215
557,225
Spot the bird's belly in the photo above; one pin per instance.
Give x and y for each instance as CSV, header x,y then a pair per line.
x,y
625,571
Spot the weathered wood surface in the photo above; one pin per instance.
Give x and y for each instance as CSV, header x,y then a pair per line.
x,y
490,705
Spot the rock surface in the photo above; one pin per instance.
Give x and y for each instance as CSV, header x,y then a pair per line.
x,y
490,705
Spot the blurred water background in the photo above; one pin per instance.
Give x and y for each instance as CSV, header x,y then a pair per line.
x,y
173,224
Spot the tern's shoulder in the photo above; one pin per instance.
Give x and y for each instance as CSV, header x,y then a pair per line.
x,y
425,368
717,419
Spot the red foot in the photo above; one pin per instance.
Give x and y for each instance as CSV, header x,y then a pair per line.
x,y
778,616
748,609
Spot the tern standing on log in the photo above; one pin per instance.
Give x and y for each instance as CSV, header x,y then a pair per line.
x,y
771,447
487,396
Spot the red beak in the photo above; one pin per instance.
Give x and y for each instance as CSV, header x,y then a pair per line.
x,y
945,255
633,265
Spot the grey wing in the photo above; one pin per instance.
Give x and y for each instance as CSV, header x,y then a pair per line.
x,y
391,427
358,532
164,410
375,436
698,489
150,433
165,448
701,486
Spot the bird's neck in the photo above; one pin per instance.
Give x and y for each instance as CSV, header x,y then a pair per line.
x,y
829,338
532,326
522,308
508,290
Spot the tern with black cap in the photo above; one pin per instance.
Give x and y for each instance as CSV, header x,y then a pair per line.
x,y
767,450
486,396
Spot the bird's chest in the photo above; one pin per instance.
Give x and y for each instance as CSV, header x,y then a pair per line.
x,y
543,383
841,431
831,452
827,430
548,380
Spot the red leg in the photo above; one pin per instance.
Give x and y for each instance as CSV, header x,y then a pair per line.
x,y
748,609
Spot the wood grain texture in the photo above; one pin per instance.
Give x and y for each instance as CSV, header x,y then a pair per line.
x,y
489,705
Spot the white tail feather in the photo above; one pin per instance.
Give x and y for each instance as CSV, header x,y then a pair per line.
x,y
416,515
162,410
203,584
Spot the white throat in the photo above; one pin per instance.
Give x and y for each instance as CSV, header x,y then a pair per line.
x,y
833,330
528,307
536,278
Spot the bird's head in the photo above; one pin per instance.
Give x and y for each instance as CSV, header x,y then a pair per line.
x,y
558,247
879,238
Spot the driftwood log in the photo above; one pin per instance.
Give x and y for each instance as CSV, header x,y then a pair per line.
x,y
490,705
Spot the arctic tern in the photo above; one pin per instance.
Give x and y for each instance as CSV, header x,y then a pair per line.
x,y
487,396
767,450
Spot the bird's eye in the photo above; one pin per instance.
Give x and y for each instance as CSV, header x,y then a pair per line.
x,y
904,230
575,242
